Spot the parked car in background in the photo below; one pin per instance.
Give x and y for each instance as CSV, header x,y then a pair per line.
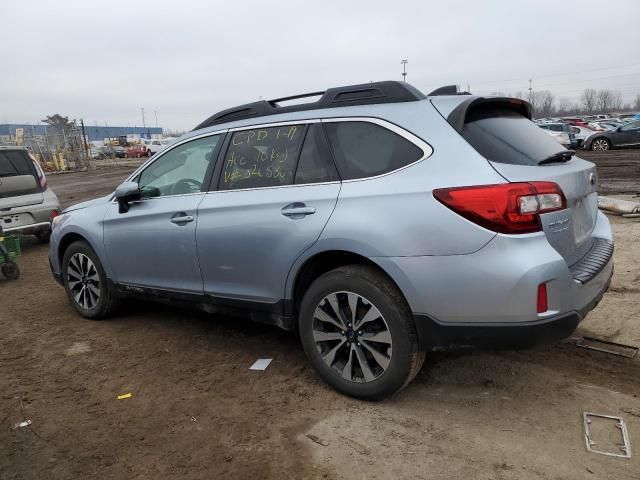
x,y
624,136
376,221
595,118
574,121
561,132
154,145
602,126
27,204
137,151
111,151
581,134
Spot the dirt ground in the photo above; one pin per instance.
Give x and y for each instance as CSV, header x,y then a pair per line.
x,y
197,412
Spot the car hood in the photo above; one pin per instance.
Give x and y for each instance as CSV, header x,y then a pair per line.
x,y
88,203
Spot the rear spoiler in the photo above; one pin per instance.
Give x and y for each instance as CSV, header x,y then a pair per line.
x,y
459,114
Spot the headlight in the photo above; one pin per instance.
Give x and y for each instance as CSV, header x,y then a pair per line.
x,y
56,220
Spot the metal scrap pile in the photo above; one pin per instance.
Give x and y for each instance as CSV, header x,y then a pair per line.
x,y
626,208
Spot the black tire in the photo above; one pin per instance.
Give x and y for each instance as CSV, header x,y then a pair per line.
x,y
44,236
368,283
10,270
106,303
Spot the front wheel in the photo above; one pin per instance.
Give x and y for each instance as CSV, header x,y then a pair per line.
x,y
86,282
358,332
600,145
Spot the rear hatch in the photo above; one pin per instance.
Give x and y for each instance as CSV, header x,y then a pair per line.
x,y
500,129
19,181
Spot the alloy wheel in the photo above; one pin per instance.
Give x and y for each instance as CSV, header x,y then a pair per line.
x,y
600,145
83,281
352,336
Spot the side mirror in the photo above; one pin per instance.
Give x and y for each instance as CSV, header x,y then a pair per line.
x,y
126,193
619,128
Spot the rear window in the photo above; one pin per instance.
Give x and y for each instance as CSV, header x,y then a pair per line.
x,y
364,149
504,136
15,162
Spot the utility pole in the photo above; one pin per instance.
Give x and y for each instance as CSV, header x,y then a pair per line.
x,y
84,140
156,114
144,124
404,69
530,90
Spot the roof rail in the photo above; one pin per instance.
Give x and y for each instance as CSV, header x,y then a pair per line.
x,y
447,90
364,94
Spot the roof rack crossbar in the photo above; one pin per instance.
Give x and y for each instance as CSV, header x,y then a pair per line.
x,y
363,94
275,101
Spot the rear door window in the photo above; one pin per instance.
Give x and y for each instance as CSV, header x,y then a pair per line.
x,y
364,149
315,164
505,136
262,157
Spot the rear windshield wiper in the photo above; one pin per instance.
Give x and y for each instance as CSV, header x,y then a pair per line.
x,y
563,156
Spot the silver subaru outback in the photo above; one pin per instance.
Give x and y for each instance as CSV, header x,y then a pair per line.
x,y
378,222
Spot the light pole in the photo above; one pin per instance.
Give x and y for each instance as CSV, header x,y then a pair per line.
x,y
404,69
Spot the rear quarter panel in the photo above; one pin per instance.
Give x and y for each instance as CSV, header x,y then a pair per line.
x,y
396,214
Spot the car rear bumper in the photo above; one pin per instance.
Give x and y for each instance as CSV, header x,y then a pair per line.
x,y
29,228
493,292
434,335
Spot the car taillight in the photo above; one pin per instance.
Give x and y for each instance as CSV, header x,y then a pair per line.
x,y
541,304
506,207
53,214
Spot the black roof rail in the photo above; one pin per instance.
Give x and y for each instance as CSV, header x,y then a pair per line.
x,y
364,94
447,90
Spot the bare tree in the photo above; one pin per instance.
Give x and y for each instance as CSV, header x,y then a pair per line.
x,y
588,99
616,100
566,106
603,100
542,103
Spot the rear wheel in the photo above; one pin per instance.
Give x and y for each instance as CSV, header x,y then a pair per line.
x,y
358,332
600,145
10,270
86,282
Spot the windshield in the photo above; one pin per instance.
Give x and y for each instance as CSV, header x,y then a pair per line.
x,y
505,136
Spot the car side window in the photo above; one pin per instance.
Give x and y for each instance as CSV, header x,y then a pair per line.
x,y
180,171
364,149
262,157
631,126
315,164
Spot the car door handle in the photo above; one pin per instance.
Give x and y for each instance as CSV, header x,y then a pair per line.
x,y
181,218
297,210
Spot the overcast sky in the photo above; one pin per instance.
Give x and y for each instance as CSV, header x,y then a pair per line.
x,y
103,61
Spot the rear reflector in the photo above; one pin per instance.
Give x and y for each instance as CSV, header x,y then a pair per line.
x,y
506,207
542,298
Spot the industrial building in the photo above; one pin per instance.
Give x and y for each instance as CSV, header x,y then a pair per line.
x,y
93,133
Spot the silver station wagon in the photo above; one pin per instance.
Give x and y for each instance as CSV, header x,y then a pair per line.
x,y
377,221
